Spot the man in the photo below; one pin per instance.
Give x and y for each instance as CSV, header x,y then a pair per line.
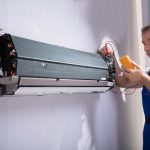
x,y
137,78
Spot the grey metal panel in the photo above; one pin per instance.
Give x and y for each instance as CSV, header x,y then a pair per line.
x,y
32,49
54,70
37,59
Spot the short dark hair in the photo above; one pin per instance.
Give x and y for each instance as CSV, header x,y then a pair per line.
x,y
145,29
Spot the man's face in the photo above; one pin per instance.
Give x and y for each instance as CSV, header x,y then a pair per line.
x,y
146,42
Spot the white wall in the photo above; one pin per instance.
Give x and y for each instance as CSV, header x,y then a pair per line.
x,y
58,122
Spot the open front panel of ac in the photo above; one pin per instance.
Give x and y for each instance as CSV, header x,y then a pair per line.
x,y
28,65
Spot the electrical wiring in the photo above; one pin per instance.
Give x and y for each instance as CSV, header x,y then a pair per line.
x,y
107,54
132,92
123,92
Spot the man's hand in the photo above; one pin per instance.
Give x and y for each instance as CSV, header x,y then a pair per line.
x,y
106,51
137,75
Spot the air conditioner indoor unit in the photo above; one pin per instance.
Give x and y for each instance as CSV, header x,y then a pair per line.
x,y
28,66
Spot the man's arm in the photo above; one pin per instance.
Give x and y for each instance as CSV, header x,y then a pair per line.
x,y
138,76
147,82
120,79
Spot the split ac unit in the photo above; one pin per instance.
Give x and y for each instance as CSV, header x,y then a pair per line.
x,y
28,66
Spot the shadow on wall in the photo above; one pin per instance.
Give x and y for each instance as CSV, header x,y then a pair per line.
x,y
114,19
111,19
85,142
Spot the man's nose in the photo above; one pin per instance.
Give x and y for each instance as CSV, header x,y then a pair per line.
x,y
146,48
